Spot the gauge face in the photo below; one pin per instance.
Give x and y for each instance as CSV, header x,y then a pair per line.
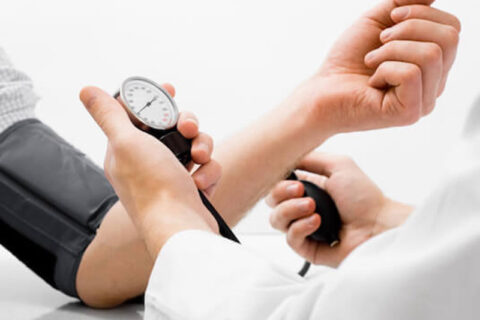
x,y
149,103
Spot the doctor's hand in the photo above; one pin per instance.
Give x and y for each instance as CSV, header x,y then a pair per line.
x,y
386,70
156,190
364,210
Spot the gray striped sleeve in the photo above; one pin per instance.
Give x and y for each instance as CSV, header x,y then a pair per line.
x,y
17,98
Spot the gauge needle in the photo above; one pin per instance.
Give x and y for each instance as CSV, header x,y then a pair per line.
x,y
148,104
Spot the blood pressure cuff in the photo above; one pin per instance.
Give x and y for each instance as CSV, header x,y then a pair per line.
x,y
52,201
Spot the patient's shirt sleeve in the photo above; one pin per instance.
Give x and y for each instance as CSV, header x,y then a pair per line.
x,y
17,98
199,275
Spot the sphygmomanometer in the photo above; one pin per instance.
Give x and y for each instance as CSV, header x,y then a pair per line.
x,y
53,198
154,111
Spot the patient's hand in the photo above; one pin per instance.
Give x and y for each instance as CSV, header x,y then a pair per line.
x,y
364,210
158,193
386,70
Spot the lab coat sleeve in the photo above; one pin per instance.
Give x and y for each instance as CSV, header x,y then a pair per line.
x,y
199,275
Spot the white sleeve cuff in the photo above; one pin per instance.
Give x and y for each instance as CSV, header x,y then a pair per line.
x,y
199,275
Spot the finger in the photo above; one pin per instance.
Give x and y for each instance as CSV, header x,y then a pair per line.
x,y
446,36
170,89
290,210
381,13
427,55
434,15
202,148
298,232
402,103
210,190
316,179
207,175
425,13
188,125
107,112
284,190
409,2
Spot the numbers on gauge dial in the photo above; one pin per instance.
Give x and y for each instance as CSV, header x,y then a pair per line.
x,y
150,104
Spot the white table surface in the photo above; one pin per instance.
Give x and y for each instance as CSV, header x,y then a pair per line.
x,y
25,296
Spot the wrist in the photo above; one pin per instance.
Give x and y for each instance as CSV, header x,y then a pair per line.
x,y
312,100
391,215
167,218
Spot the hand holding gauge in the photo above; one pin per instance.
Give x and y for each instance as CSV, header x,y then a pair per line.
x,y
153,110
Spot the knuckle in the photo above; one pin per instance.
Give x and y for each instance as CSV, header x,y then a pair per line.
x,y
277,192
429,109
433,53
217,167
274,196
329,185
274,220
392,46
290,239
281,213
452,35
412,115
411,72
408,26
457,23
269,201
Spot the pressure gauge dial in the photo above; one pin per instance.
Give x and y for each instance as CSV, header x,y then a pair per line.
x,y
149,103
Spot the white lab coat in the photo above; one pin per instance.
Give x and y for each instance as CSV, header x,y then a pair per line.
x,y
426,269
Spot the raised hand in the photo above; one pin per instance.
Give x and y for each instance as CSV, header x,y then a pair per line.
x,y
386,70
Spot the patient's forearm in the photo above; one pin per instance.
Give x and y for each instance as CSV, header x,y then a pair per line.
x,y
254,159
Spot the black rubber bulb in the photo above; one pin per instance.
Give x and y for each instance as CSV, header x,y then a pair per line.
x,y
325,206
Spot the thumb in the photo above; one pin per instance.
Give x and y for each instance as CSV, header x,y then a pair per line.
x,y
321,163
107,112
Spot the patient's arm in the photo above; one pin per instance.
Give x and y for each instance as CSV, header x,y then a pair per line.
x,y
386,70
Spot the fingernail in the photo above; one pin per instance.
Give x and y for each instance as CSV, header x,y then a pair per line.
x,y
304,204
203,146
386,34
292,189
400,13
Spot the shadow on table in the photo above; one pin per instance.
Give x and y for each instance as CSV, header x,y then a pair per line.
x,y
76,310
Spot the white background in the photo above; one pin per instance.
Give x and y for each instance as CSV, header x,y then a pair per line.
x,y
230,61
